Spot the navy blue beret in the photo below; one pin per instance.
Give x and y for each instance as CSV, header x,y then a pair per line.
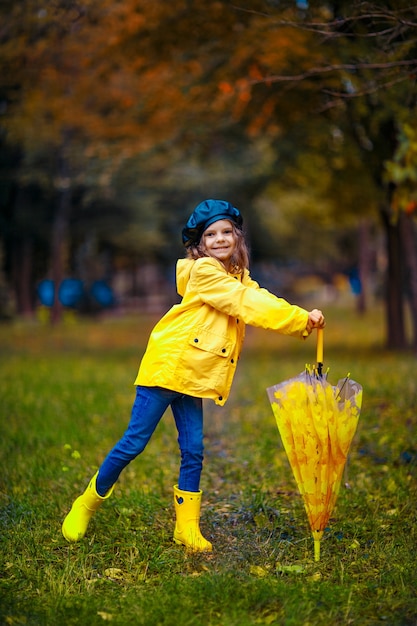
x,y
206,213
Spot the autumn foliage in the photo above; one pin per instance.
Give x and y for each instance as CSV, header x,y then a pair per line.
x,y
117,115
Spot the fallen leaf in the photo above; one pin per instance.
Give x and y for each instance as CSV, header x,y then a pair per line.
x,y
106,616
292,569
115,573
257,570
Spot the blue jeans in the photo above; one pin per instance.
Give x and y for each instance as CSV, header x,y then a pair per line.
x,y
148,408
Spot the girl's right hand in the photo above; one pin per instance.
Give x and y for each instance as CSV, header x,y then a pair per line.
x,y
315,320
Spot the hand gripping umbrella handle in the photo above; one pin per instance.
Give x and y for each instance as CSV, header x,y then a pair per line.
x,y
320,351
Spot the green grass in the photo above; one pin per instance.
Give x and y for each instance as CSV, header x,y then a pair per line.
x,y
65,398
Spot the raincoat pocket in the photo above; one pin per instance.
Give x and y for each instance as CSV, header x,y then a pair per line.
x,y
210,342
206,362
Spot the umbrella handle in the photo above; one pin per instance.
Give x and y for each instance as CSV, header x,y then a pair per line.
x,y
320,351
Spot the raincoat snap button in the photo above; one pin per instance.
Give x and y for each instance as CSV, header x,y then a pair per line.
x,y
232,361
195,340
223,350
220,398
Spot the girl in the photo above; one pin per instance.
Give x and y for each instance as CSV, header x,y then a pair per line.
x,y
192,354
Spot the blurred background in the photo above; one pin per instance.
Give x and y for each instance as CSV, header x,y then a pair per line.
x,y
118,116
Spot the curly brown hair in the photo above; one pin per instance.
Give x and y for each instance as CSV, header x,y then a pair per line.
x,y
240,258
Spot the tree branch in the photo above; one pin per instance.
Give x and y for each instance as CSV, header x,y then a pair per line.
x,y
333,28
342,95
317,71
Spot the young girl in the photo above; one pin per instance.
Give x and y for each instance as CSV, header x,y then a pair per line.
x,y
192,354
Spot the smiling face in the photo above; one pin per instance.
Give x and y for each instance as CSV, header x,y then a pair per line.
x,y
219,241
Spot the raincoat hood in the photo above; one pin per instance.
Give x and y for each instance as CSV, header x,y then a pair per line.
x,y
184,267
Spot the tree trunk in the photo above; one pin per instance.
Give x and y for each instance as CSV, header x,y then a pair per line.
x,y
394,296
59,234
22,253
58,249
22,276
409,239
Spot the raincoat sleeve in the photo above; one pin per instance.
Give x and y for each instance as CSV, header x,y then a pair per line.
x,y
246,300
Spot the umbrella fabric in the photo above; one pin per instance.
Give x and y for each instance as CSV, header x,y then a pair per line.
x,y
317,422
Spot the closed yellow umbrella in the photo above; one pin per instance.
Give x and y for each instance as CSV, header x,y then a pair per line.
x,y
317,422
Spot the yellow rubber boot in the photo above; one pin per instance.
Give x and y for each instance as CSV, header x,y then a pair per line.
x,y
76,522
187,527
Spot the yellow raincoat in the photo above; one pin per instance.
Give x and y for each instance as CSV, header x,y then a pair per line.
x,y
195,347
